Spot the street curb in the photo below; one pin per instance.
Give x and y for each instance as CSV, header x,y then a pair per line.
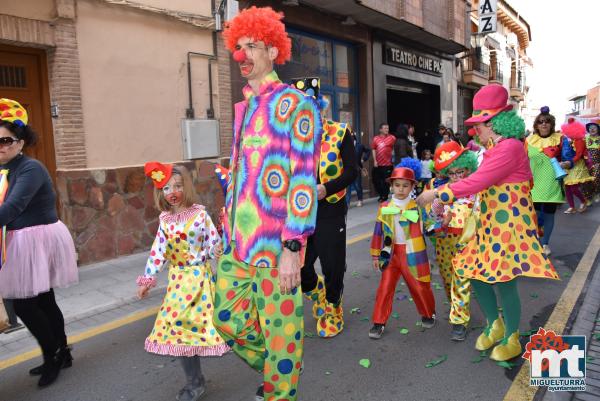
x,y
520,390
157,292
580,326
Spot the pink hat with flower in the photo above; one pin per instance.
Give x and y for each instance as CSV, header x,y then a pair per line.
x,y
488,102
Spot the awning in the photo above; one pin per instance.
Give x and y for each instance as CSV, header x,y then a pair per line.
x,y
375,19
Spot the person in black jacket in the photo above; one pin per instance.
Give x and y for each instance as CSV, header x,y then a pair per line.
x,y
40,253
402,147
328,243
363,152
337,170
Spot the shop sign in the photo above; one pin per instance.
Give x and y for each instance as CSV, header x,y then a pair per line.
x,y
401,57
488,18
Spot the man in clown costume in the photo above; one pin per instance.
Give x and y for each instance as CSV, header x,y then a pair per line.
x,y
270,208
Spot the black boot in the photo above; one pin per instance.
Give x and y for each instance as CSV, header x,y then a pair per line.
x,y
51,368
67,361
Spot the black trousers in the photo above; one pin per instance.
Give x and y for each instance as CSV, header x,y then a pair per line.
x,y
42,316
380,174
328,243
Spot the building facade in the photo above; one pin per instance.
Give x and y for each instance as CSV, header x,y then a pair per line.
x,y
107,85
499,57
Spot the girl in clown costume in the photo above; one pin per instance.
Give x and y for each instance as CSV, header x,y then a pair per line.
x,y
186,240
578,171
455,162
505,245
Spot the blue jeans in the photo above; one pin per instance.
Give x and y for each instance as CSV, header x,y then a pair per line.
x,y
357,186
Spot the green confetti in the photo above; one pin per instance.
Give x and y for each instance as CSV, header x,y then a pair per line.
x,y
309,334
597,320
506,365
410,299
365,319
568,274
365,363
596,336
355,310
436,362
404,331
533,295
589,358
483,354
395,315
446,303
355,274
528,333
477,359
419,324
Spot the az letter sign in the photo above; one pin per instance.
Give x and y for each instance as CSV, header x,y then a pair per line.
x,y
487,16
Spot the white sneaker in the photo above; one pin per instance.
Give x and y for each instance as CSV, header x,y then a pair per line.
x,y
547,250
359,204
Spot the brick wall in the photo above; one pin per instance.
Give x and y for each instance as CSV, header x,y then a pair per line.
x,y
65,91
225,101
111,212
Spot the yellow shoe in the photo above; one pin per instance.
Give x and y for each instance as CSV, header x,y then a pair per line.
x,y
504,352
487,341
317,295
331,323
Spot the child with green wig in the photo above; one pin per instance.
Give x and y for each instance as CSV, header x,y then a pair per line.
x,y
456,163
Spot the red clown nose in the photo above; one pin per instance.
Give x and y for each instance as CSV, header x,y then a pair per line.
x,y
239,56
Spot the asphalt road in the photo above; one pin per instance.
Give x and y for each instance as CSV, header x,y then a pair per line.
x,y
114,366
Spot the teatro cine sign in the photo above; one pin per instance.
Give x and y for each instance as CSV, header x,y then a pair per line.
x,y
401,57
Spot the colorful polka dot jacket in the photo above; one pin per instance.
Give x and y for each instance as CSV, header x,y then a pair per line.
x,y
271,191
187,238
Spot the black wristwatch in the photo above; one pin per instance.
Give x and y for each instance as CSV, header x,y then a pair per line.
x,y
293,245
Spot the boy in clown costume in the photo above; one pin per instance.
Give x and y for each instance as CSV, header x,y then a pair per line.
x,y
398,250
270,207
455,162
505,245
337,170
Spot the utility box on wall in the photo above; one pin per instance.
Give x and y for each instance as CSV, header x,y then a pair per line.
x,y
200,139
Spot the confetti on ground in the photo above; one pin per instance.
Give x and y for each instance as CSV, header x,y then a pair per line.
x,y
355,274
506,365
419,324
533,295
596,336
568,274
395,315
483,354
477,359
401,297
528,333
446,303
399,290
355,310
365,363
327,373
436,362
402,283
309,334
365,319
404,331
589,358
410,299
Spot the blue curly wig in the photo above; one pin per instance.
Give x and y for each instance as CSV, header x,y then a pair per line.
x,y
413,164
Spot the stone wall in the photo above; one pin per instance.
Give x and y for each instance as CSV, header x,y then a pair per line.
x,y
111,212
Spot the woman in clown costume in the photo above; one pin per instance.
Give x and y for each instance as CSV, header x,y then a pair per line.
x,y
455,162
505,245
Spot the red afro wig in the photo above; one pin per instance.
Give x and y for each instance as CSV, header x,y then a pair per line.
x,y
261,24
573,129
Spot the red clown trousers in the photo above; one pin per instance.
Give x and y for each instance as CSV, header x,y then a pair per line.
x,y
420,291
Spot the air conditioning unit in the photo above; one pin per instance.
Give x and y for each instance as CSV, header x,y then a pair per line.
x,y
201,139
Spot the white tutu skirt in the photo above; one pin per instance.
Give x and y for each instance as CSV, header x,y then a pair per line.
x,y
38,258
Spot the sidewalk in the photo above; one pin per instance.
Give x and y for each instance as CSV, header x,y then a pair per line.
x,y
107,291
